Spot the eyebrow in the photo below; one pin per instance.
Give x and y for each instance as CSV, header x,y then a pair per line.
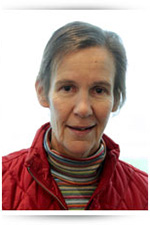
x,y
97,83
64,81
103,83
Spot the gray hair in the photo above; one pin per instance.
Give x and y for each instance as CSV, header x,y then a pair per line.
x,y
78,35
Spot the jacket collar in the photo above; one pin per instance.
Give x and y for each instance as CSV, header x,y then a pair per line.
x,y
37,158
109,167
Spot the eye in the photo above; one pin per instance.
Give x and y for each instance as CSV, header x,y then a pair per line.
x,y
70,89
67,88
98,90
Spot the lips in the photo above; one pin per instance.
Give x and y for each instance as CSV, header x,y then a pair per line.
x,y
81,129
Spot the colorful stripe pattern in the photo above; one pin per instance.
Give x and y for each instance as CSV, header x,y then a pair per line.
x,y
77,179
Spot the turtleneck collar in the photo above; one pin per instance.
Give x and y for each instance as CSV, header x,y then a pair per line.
x,y
74,171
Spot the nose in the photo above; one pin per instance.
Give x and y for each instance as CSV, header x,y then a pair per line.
x,y
83,106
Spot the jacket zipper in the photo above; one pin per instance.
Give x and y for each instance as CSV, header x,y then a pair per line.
x,y
46,189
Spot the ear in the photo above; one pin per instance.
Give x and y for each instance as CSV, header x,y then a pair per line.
x,y
41,94
116,104
115,107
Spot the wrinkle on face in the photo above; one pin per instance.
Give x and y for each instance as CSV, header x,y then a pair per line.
x,y
85,69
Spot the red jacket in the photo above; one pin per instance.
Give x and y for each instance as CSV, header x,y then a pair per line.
x,y
29,185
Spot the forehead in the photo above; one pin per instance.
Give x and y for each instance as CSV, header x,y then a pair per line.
x,y
90,61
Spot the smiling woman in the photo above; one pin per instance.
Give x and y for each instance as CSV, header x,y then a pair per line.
x,y
79,115
72,164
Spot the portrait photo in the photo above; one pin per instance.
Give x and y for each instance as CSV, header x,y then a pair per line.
x,y
75,111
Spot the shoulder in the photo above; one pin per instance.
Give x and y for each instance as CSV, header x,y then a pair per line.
x,y
13,164
131,172
125,170
13,172
128,184
14,158
13,155
132,184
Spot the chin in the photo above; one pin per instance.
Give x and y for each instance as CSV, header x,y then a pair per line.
x,y
78,155
81,151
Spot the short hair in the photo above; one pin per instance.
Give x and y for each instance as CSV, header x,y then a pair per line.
x,y
79,35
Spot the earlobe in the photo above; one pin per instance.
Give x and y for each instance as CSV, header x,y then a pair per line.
x,y
41,95
115,106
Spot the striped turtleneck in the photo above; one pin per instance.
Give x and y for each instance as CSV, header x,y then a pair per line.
x,y
77,179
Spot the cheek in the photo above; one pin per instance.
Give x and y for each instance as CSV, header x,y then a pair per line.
x,y
103,111
58,111
55,108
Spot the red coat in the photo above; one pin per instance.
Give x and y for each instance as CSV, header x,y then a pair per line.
x,y
29,185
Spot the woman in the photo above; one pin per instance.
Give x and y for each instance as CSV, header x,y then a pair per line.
x,y
72,164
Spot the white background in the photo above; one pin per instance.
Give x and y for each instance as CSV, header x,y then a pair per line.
x,y
24,35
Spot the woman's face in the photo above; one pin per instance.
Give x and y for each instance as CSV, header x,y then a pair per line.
x,y
81,100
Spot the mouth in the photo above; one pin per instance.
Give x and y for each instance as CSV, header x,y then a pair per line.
x,y
81,130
